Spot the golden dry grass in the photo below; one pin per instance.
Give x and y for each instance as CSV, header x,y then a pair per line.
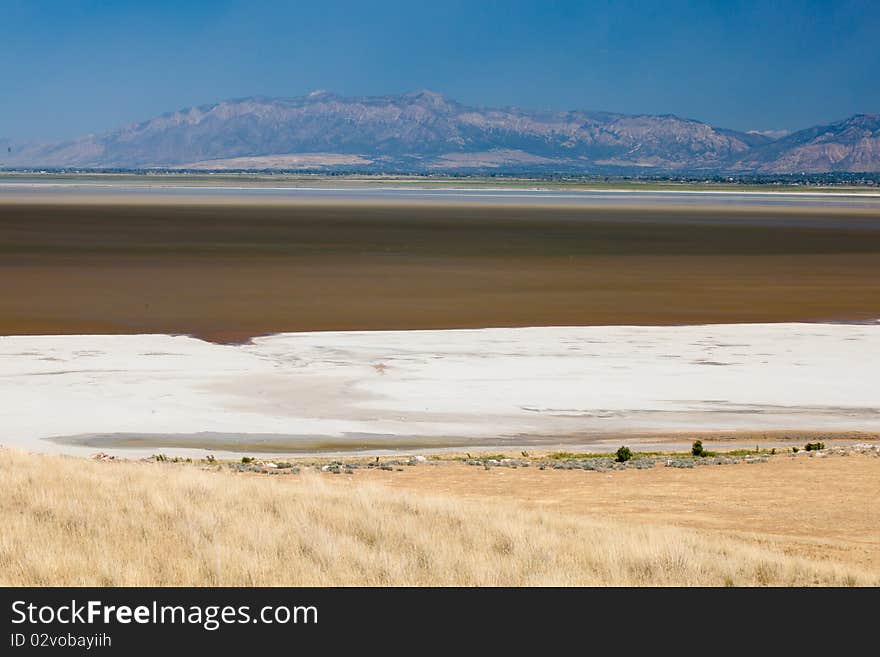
x,y
68,521
817,508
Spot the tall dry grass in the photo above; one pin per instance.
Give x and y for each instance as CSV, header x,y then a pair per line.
x,y
68,521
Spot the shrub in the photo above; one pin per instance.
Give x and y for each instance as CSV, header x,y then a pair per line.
x,y
247,459
795,450
697,448
814,447
624,454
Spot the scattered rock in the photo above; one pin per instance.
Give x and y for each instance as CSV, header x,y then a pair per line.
x,y
868,449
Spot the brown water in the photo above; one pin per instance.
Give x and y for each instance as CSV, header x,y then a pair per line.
x,y
233,268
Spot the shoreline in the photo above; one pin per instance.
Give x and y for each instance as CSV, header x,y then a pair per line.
x,y
126,447
422,391
280,180
665,444
500,192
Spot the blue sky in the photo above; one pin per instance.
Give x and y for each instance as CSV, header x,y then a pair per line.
x,y
73,67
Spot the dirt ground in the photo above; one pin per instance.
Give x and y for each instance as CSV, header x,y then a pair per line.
x,y
818,507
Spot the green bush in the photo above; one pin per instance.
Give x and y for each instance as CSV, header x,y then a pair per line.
x,y
814,447
795,450
247,459
624,454
697,448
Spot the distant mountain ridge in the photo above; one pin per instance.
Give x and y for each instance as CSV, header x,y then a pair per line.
x,y
426,131
850,145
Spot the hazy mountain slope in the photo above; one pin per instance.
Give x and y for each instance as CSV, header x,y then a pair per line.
x,y
849,145
425,131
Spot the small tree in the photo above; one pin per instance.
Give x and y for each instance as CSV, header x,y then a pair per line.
x,y
697,448
624,454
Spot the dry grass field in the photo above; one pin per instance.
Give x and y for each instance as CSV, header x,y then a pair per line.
x,y
68,521
818,508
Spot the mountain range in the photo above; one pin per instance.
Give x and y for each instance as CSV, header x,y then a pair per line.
x,y
425,131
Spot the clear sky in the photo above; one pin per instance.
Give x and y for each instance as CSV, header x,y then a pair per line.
x,y
70,67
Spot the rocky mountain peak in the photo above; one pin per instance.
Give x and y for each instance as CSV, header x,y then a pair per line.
x,y
426,131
